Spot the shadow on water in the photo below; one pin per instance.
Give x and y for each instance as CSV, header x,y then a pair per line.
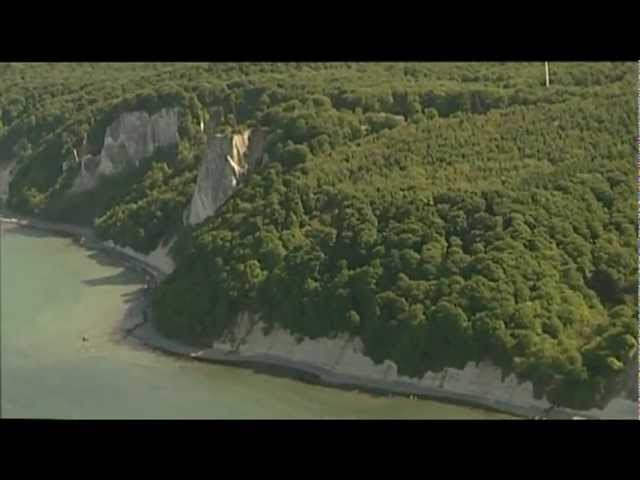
x,y
114,260
123,277
105,260
134,296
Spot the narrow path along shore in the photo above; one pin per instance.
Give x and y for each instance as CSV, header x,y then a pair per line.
x,y
142,330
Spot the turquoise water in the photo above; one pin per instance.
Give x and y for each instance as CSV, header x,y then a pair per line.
x,y
53,293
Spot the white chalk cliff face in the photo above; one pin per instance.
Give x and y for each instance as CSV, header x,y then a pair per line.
x,y
226,161
133,137
346,356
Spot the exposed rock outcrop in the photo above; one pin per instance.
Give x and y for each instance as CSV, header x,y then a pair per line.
x,y
345,358
133,137
228,158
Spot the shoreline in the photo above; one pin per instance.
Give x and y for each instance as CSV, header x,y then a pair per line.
x,y
313,374
89,241
146,334
308,374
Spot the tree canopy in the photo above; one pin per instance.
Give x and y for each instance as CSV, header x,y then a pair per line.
x,y
444,213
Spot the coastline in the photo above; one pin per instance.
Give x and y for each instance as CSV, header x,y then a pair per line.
x,y
90,241
145,333
313,373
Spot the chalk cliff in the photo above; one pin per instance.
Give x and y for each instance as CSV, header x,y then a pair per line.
x,y
343,359
133,137
228,158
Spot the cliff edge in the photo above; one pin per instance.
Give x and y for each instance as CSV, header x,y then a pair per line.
x,y
133,137
228,158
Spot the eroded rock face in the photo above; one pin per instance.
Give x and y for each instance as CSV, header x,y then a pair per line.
x,y
226,161
133,137
347,356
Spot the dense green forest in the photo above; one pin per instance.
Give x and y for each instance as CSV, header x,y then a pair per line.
x,y
444,213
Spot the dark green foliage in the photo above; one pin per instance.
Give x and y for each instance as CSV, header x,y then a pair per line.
x,y
152,211
449,241
445,213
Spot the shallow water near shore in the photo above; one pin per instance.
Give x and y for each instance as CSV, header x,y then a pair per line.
x,y
52,293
